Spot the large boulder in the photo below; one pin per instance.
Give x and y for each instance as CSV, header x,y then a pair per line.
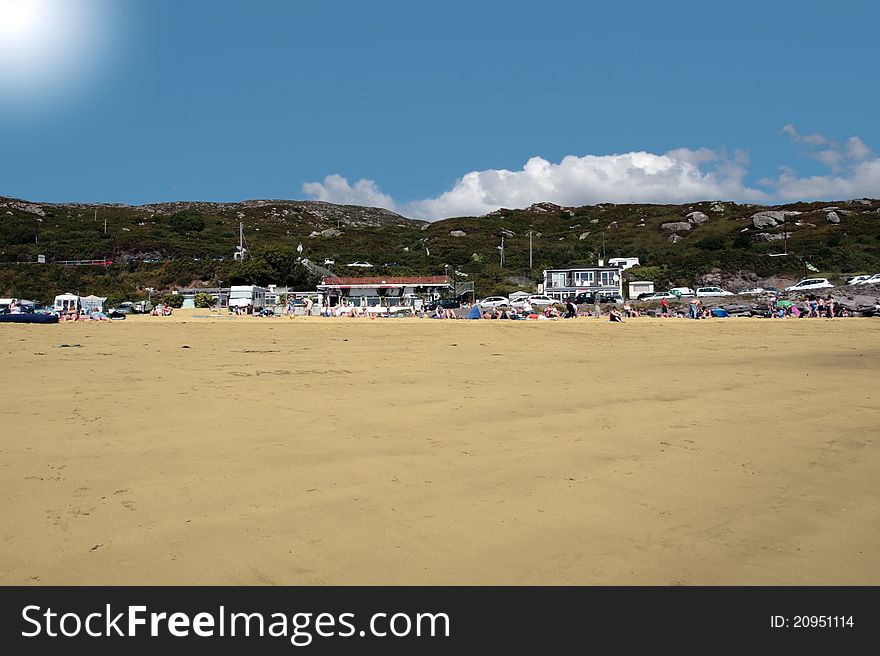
x,y
676,226
584,235
832,217
329,232
767,219
697,217
457,233
673,238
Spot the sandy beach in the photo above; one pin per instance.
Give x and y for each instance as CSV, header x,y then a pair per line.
x,y
190,450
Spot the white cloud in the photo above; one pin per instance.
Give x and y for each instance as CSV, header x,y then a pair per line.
x,y
856,150
678,176
856,172
814,139
626,178
336,189
861,180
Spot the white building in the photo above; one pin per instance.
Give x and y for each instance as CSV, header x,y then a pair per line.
x,y
563,283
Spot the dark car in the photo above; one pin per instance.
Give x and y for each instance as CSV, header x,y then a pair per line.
x,y
585,298
610,298
445,303
644,295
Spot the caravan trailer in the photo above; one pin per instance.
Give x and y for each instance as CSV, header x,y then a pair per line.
x,y
242,296
67,303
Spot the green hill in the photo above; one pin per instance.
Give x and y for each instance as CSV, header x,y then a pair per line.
x,y
171,245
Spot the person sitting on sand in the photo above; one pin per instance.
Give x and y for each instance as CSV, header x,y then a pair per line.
x,y
97,315
614,315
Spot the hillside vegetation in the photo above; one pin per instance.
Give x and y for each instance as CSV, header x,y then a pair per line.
x,y
171,245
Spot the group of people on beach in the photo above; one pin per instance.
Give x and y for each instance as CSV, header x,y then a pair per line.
x,y
813,307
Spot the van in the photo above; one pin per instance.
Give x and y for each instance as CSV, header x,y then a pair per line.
x,y
682,291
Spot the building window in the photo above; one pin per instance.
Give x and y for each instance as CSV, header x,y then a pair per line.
x,y
584,278
607,278
557,279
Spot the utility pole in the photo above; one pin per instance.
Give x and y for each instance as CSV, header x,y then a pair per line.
x,y
502,251
784,235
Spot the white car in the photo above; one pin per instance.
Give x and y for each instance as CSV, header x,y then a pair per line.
x,y
659,296
752,291
539,300
707,292
873,280
810,283
360,264
682,291
494,301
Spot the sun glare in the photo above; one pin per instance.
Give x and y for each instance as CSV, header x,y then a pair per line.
x,y
49,46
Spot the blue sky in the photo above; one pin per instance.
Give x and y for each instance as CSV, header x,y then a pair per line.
x,y
438,108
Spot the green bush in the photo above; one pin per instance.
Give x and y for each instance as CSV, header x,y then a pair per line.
x,y
203,300
186,221
174,300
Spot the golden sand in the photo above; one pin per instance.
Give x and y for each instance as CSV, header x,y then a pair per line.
x,y
345,451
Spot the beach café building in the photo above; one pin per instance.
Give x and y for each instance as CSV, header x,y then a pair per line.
x,y
560,284
383,291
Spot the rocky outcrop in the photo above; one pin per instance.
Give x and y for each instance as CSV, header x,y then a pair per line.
x,y
674,239
767,219
583,236
30,208
697,218
767,236
676,226
329,232
457,233
832,217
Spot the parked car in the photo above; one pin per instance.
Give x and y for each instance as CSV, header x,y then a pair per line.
x,y
810,283
445,303
659,296
360,264
610,297
775,291
682,291
494,301
873,280
855,280
539,300
708,292
123,308
584,298
752,291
